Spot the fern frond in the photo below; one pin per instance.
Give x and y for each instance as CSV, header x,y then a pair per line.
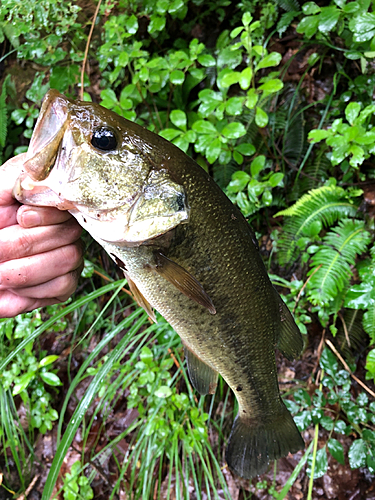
x,y
324,205
288,5
295,137
317,171
338,252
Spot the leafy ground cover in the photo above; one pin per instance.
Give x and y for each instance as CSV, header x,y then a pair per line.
x,y
276,101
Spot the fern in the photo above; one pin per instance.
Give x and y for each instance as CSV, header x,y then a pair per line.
x,y
316,171
319,207
288,5
330,272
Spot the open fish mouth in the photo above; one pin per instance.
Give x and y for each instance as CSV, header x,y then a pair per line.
x,y
32,186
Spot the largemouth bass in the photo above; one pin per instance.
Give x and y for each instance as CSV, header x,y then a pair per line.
x,y
185,250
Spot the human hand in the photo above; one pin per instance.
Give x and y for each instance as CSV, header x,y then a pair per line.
x,y
40,250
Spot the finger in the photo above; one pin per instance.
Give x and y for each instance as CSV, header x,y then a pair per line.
x,y
9,173
29,216
40,268
60,288
11,304
17,242
8,215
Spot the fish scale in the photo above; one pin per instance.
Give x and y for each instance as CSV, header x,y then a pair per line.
x,y
189,253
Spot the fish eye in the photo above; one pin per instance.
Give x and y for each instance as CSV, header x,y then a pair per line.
x,y
104,139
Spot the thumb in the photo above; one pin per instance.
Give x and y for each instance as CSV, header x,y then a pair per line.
x,y
9,173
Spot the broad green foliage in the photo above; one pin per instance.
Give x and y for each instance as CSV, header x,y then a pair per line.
x,y
35,28
253,192
362,296
350,20
77,486
355,139
359,415
27,376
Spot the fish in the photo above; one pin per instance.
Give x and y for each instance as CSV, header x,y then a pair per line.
x,y
186,251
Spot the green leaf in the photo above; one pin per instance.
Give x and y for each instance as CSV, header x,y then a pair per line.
x,y
308,25
213,150
257,165
321,463
132,24
47,360
163,392
177,77
276,179
272,59
328,362
236,31
358,155
204,127
157,23
362,26
234,130
246,149
245,78
178,118
310,8
328,18
22,382
246,19
318,135
234,106
303,420
18,115
206,60
357,454
50,378
146,355
336,450
230,79
261,117
271,86
252,99
239,181
170,133
352,111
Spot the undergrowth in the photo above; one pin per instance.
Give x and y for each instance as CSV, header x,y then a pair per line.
x,y
287,132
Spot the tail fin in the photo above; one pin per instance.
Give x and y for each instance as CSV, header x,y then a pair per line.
x,y
253,444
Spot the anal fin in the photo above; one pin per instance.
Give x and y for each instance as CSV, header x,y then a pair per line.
x,y
202,376
183,281
289,341
139,298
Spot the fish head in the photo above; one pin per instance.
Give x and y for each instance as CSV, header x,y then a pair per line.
x,y
101,167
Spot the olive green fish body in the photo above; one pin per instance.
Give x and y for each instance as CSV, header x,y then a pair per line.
x,y
186,251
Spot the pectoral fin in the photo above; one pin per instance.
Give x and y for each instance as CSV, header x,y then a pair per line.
x,y
138,297
289,341
202,376
183,281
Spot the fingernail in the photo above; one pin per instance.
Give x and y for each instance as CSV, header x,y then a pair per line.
x,y
31,219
